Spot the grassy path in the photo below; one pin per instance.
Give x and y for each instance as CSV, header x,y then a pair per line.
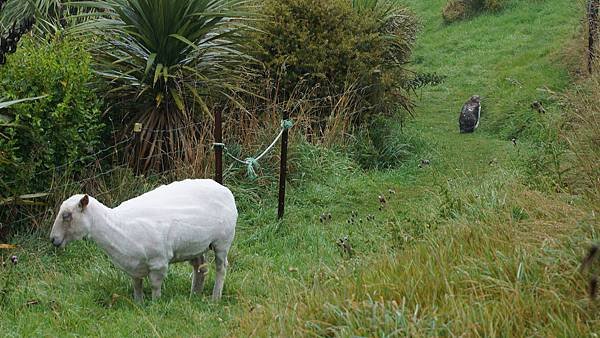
x,y
480,252
462,246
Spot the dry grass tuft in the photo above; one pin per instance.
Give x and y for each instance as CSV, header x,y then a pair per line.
x,y
582,133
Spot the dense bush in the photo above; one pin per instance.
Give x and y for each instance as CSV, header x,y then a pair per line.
x,y
60,128
462,9
331,46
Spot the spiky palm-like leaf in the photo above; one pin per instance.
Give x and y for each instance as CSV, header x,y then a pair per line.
x,y
164,56
6,104
52,16
6,120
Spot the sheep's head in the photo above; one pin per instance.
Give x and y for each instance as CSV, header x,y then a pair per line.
x,y
72,222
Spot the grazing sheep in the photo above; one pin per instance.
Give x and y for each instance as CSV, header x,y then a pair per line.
x,y
172,223
470,114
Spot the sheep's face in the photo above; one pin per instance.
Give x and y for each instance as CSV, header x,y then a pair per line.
x,y
72,222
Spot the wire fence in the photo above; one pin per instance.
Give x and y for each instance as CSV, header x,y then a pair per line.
x,y
104,174
251,163
94,173
109,151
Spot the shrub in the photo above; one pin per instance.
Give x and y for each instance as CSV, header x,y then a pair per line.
x,y
60,128
330,46
461,9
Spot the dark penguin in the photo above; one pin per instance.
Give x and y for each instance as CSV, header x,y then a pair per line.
x,y
469,116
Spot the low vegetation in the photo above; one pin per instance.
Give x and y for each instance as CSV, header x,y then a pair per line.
x,y
171,84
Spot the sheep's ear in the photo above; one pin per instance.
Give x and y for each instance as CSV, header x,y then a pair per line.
x,y
84,202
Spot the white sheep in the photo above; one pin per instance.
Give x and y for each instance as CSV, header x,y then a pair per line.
x,y
172,223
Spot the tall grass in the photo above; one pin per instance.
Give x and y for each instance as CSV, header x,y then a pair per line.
x,y
505,266
582,133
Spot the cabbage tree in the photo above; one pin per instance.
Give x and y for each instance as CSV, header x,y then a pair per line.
x,y
161,60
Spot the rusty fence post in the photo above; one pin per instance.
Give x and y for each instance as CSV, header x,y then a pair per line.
x,y
283,167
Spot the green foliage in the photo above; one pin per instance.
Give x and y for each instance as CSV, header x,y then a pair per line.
x,y
161,58
461,9
59,128
421,80
332,46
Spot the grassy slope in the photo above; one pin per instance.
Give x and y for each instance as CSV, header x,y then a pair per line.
x,y
463,246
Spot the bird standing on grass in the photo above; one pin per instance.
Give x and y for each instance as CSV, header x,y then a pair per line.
x,y
470,114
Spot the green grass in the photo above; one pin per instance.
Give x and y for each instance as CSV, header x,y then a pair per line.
x,y
462,247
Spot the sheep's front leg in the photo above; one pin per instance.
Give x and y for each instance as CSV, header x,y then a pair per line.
x,y
138,290
156,279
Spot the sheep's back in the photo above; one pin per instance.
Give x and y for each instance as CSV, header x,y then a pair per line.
x,y
183,200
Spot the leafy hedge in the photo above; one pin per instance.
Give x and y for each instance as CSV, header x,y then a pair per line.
x,y
60,128
330,46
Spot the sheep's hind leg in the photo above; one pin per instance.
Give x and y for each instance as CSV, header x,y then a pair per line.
x,y
221,264
138,290
200,270
156,279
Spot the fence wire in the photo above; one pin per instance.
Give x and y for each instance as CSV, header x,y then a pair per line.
x,y
60,183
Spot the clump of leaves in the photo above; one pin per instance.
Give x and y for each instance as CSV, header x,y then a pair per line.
x,y
64,125
421,80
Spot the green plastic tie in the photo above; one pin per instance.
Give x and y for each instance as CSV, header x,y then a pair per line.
x,y
287,124
251,165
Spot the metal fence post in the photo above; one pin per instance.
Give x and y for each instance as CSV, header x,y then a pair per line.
x,y
283,168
